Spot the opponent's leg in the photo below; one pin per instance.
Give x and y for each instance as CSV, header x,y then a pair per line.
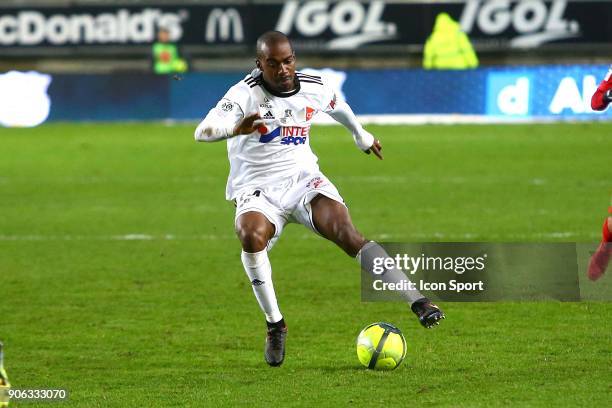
x,y
254,231
333,221
601,257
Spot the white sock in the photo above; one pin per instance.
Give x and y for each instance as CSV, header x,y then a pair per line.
x,y
372,250
257,267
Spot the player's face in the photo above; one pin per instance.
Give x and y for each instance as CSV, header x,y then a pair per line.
x,y
277,63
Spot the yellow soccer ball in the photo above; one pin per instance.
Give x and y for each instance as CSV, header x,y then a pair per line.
x,y
381,346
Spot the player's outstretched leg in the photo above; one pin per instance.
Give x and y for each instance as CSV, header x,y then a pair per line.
x,y
254,231
333,221
428,314
601,257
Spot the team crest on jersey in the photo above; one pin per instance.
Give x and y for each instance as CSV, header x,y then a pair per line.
x,y
309,113
288,114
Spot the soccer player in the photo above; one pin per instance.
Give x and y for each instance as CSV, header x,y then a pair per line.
x,y
600,259
274,178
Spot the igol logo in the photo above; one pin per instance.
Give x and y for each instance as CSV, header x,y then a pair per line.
x,y
351,22
535,21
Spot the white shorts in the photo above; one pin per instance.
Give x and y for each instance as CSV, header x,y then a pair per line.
x,y
287,201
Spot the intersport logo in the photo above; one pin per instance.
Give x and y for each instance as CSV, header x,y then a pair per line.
x,y
353,22
535,21
121,26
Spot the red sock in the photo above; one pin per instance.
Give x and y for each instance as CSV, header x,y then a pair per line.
x,y
607,235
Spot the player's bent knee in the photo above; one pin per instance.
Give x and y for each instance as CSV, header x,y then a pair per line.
x,y
254,232
253,240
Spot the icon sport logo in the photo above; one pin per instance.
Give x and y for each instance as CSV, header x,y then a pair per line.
x,y
291,135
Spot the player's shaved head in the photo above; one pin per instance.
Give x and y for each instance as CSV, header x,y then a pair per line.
x,y
276,60
270,39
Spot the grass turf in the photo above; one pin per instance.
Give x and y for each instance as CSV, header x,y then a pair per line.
x,y
120,278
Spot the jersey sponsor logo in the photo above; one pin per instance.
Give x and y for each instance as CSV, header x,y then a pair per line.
x,y
294,135
229,24
293,140
291,135
266,138
535,21
354,23
268,115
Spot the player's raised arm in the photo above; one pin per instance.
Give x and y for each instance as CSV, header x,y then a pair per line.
x,y
219,123
343,114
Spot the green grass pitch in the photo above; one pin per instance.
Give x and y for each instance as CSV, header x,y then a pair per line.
x,y
120,276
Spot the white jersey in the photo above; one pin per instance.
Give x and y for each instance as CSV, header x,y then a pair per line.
x,y
281,149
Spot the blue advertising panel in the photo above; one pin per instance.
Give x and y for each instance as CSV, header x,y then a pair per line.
x,y
108,97
556,92
552,92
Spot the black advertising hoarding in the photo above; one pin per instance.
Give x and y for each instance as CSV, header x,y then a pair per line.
x,y
494,24
314,26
